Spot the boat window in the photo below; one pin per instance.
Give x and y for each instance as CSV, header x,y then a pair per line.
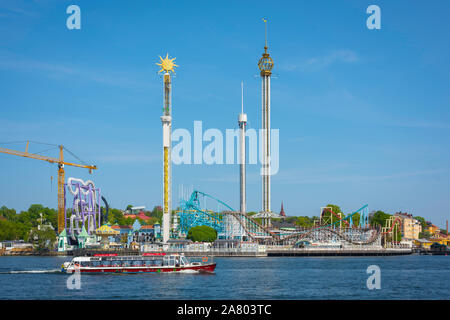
x,y
183,261
115,263
106,263
126,263
156,263
137,263
146,262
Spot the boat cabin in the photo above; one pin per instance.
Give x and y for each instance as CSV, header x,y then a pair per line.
x,y
131,261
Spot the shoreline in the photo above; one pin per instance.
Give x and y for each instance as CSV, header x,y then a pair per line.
x,y
350,252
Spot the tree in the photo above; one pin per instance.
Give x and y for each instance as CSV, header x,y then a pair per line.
x,y
10,230
8,214
304,222
115,216
157,212
379,218
44,238
424,233
202,234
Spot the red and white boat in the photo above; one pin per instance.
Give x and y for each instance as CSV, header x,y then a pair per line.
x,y
147,262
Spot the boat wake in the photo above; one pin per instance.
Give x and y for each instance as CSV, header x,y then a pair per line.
x,y
188,271
31,271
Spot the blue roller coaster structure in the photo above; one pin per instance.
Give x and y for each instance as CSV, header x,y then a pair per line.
x,y
192,214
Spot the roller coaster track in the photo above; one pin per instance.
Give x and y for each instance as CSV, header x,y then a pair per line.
x,y
257,232
329,225
394,222
328,228
251,227
341,235
334,214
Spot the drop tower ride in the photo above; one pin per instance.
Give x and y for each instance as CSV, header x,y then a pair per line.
x,y
167,66
265,65
242,124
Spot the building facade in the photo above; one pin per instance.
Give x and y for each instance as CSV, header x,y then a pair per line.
x,y
410,227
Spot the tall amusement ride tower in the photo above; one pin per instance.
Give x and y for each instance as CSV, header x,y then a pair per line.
x,y
167,67
242,123
265,65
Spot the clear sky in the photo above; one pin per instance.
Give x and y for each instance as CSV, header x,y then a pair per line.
x,y
363,114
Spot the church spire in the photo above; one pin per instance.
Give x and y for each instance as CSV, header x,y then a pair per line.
x,y
282,210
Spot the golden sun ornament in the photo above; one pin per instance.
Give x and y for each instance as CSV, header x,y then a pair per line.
x,y
167,64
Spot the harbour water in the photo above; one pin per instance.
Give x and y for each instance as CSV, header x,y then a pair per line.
x,y
402,277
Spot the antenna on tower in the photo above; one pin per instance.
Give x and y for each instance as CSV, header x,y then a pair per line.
x,y
265,23
242,96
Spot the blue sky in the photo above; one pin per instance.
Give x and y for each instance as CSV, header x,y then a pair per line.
x,y
363,114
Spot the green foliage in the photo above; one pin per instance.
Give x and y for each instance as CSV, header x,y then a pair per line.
x,y
8,214
10,230
157,213
202,234
379,218
115,216
43,238
23,226
424,235
17,226
304,221
422,222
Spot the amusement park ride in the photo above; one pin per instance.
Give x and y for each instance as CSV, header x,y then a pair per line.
x,y
61,173
167,67
86,214
232,224
86,208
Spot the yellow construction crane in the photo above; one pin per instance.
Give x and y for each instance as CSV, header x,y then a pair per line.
x,y
61,163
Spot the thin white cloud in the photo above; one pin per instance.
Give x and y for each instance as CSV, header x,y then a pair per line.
x,y
322,62
17,8
53,70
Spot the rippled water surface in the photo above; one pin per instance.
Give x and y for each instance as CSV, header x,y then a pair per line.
x,y
403,277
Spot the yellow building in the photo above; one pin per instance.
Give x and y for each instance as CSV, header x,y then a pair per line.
x,y
423,243
445,241
432,229
410,227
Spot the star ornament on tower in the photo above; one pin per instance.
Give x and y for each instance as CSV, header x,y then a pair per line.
x,y
167,64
